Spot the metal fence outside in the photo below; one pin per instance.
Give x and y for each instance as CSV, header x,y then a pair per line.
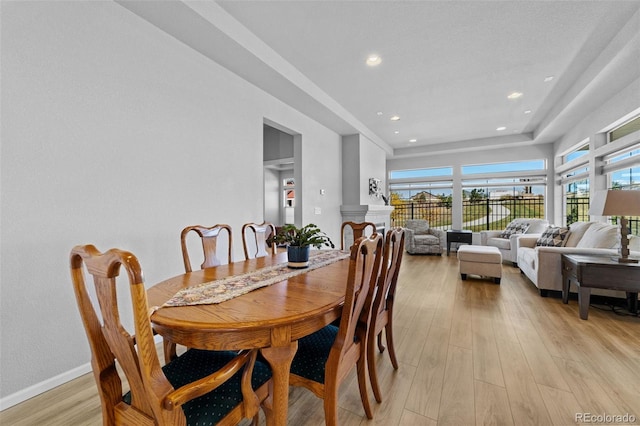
x,y
477,215
577,209
493,214
437,214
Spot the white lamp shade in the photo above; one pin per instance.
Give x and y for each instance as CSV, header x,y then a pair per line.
x,y
615,203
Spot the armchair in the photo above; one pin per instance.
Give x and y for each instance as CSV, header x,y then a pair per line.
x,y
506,240
421,239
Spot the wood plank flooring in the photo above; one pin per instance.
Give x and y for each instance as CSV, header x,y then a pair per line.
x,y
471,353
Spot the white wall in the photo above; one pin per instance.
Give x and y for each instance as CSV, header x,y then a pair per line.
x,y
322,171
272,197
621,104
362,159
116,134
372,165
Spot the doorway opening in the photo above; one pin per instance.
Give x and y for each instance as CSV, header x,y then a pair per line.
x,y
282,199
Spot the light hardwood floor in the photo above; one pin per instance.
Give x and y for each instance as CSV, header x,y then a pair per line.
x,y
471,353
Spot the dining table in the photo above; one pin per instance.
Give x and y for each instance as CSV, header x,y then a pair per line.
x,y
271,318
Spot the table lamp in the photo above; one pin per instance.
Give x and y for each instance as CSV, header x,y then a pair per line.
x,y
618,203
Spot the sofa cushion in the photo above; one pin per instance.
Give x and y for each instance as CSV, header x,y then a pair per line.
x,y
426,240
536,226
576,231
420,227
514,227
553,236
501,243
600,235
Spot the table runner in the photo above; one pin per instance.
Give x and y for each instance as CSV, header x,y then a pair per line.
x,y
218,291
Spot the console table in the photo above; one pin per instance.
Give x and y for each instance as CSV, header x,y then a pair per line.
x,y
458,236
599,272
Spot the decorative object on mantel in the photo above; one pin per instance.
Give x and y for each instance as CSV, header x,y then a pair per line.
x,y
618,203
299,242
374,187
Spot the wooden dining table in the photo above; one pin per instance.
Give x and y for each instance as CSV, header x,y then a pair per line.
x,y
270,318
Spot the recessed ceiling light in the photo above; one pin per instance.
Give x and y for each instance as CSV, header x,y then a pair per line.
x,y
548,78
514,95
395,118
374,60
397,132
379,113
501,128
527,111
413,140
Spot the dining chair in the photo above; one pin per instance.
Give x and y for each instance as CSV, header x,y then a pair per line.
x,y
209,237
325,358
357,230
382,311
198,387
254,239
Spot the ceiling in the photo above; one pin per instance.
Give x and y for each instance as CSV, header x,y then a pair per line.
x,y
447,66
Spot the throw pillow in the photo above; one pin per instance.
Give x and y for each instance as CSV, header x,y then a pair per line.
x,y
600,235
514,228
554,236
577,230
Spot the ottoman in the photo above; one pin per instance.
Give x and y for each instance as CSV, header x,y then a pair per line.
x,y
480,260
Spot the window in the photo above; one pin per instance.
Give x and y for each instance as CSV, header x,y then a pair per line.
x,y
511,167
576,153
421,173
576,201
422,194
289,188
624,130
573,176
495,194
622,165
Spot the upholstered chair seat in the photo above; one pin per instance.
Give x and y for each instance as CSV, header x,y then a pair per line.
x,y
313,351
211,408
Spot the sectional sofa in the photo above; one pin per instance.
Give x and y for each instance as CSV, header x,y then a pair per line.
x,y
542,265
508,246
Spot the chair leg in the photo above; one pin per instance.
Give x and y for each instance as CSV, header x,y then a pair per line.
x,y
371,366
381,347
330,402
362,384
388,331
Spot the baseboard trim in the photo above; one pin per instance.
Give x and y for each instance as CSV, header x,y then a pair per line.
x,y
46,385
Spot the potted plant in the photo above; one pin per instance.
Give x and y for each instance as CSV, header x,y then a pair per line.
x,y
299,242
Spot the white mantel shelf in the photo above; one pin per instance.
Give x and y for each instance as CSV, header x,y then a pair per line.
x,y
365,209
375,213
